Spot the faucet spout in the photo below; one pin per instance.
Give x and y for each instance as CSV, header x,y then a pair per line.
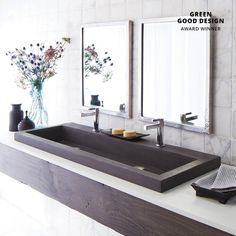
x,y
159,125
93,112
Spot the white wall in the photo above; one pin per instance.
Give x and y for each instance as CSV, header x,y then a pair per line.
x,y
26,21
22,22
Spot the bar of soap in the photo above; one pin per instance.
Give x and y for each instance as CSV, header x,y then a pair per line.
x,y
117,131
129,133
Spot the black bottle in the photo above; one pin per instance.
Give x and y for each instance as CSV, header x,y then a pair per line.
x,y
95,101
26,123
16,115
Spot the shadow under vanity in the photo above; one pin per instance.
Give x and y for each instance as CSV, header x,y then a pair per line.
x,y
175,88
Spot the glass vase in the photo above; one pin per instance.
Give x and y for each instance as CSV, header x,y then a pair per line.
x,y
38,112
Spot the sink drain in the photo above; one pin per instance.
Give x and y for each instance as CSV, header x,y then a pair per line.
x,y
139,167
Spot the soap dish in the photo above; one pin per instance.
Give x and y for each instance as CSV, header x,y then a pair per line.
x,y
222,197
120,136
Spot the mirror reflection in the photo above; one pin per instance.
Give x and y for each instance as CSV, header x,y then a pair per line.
x,y
175,74
106,72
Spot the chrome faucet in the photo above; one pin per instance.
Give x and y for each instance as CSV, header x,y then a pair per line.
x,y
185,119
93,112
159,124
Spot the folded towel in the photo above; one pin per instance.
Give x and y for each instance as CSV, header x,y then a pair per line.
x,y
225,178
207,181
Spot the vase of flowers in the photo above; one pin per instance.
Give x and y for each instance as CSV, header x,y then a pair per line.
x,y
35,65
38,113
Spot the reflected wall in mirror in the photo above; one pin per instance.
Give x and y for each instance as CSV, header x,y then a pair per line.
x,y
106,67
175,74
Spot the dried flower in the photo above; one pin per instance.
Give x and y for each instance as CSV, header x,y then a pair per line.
x,y
67,40
36,64
50,54
94,65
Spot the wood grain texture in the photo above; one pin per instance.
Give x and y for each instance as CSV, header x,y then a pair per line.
x,y
122,212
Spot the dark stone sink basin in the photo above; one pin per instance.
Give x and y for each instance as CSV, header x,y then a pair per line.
x,y
139,162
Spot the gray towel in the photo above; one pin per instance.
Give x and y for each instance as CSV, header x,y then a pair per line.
x,y
225,179
207,181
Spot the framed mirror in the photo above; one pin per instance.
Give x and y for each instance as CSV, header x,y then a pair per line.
x,y
106,67
175,74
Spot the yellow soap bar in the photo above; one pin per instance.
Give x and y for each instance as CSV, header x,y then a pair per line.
x,y
129,133
116,131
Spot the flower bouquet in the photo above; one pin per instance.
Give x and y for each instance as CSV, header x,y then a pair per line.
x,y
93,65
35,65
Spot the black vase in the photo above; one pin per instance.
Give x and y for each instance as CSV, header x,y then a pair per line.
x,y
26,123
16,115
94,100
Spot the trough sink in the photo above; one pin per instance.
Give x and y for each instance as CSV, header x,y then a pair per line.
x,y
139,162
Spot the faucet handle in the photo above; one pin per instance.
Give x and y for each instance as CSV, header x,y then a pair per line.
x,y
96,109
92,108
161,121
89,112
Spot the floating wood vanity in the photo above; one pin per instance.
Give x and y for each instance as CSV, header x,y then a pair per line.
x,y
127,208
118,210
